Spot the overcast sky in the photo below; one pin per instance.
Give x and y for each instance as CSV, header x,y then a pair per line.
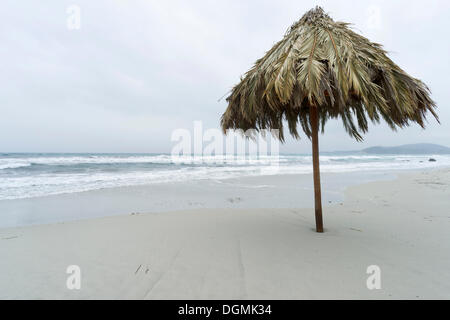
x,y
137,70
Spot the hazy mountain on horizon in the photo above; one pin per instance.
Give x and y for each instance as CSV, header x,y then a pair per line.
x,y
419,148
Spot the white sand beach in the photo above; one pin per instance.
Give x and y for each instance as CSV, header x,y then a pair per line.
x,y
400,225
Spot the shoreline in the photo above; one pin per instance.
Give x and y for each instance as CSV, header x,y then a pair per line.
x,y
247,192
399,225
346,190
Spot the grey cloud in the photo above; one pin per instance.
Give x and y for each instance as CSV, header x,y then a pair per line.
x,y
136,70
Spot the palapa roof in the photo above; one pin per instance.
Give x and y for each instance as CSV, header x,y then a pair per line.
x,y
322,63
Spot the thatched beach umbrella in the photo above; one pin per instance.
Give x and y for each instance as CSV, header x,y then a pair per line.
x,y
322,69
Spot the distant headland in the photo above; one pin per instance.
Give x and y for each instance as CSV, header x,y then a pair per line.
x,y
419,148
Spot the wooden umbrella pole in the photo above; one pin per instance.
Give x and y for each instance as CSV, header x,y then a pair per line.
x,y
314,119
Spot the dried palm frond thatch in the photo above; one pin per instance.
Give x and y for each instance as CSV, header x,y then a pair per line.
x,y
324,63
322,70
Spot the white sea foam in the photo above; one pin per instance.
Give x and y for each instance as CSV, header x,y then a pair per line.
x,y
13,165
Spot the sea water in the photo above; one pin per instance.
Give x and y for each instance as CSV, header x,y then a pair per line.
x,y
36,175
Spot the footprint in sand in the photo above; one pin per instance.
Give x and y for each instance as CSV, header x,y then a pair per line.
x,y
233,200
145,269
9,238
190,203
